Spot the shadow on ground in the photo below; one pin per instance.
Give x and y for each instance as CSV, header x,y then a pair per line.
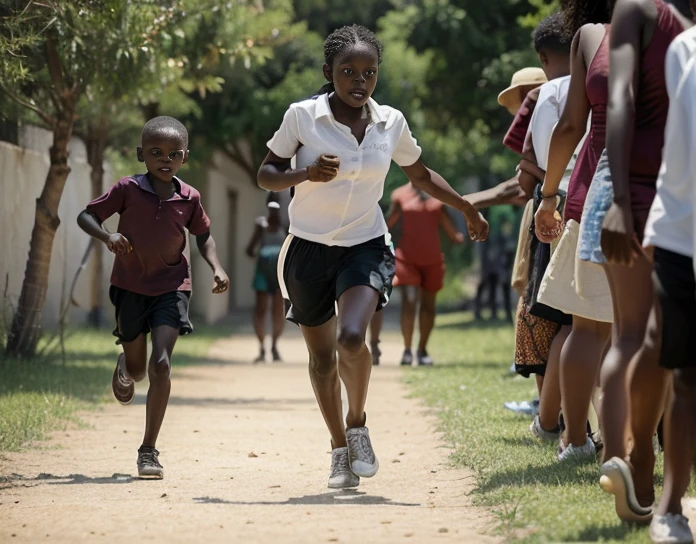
x,y
329,499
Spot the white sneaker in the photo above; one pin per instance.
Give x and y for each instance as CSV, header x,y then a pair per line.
x,y
341,477
671,529
362,457
538,431
580,453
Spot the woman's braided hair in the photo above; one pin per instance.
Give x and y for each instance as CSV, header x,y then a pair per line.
x,y
342,39
582,12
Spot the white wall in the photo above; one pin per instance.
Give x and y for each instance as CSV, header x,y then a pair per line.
x,y
22,175
221,177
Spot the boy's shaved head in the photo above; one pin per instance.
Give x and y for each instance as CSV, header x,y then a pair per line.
x,y
165,127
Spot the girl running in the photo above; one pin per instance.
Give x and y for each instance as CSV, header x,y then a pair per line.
x,y
269,236
336,267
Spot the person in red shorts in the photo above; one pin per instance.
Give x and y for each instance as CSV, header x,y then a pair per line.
x,y
420,265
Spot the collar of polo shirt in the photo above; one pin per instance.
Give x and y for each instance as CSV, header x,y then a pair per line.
x,y
323,109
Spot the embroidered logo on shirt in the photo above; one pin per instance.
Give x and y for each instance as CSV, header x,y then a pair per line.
x,y
383,147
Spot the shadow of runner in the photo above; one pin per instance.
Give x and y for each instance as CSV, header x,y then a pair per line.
x,y
331,498
70,479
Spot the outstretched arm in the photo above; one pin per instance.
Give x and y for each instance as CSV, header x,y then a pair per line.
x,y
507,192
628,22
435,185
206,245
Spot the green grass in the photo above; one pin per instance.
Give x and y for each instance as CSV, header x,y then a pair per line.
x,y
533,497
42,395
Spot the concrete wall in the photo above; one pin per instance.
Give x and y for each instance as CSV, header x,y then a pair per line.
x,y
22,175
222,183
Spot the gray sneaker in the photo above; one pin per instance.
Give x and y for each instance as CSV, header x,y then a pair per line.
x,y
579,453
671,529
538,431
149,467
362,457
341,477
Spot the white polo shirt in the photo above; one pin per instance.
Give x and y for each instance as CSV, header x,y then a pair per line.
x,y
549,108
344,211
670,224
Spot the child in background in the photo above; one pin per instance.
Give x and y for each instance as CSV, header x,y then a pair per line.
x,y
269,236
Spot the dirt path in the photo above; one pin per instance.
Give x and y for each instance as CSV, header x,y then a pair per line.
x,y
246,458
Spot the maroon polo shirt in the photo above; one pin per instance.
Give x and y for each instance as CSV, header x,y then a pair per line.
x,y
156,229
514,139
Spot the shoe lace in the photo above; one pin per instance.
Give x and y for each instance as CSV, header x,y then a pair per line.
x,y
340,462
148,456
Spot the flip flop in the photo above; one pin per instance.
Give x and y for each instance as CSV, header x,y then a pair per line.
x,y
618,481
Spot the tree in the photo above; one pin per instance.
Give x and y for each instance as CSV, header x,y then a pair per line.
x,y
52,53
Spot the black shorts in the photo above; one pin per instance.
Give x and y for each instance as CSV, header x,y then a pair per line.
x,y
675,288
138,314
316,275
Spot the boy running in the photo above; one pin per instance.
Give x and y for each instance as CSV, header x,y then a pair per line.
x,y
151,277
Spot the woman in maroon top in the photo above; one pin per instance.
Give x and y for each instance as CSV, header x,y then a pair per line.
x,y
641,33
582,351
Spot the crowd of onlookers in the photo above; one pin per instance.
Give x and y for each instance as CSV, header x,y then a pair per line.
x,y
606,133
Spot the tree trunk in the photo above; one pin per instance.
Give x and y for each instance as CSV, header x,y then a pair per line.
x,y
26,324
96,146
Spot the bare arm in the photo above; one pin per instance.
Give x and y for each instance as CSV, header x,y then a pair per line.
x,y
276,174
530,173
450,230
206,245
116,243
435,185
253,241
572,125
393,215
507,192
87,222
627,26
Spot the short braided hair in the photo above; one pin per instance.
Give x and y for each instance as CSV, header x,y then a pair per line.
x,y
341,40
552,35
165,127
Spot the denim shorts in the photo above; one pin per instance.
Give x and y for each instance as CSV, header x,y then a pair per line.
x,y
597,203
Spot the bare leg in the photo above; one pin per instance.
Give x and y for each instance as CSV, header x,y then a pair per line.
x,y
408,313
580,359
680,441
550,401
376,327
426,317
323,372
631,293
375,330
136,357
262,300
159,370
648,386
278,320
355,309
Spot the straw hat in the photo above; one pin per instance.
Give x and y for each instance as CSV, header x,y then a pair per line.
x,y
510,97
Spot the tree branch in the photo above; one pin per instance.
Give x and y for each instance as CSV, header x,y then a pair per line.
x,y
50,121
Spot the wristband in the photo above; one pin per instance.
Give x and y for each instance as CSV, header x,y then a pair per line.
x,y
545,197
